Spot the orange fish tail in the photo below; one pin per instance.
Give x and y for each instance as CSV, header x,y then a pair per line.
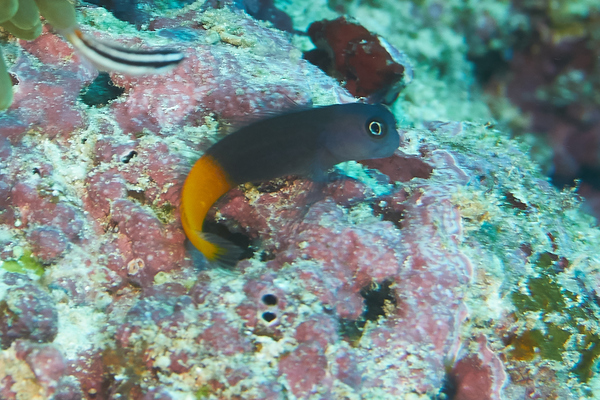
x,y
205,184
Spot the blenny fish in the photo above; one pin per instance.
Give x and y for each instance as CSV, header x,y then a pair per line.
x,y
111,58
305,143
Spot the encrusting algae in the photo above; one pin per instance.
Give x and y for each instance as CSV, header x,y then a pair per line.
x,y
551,338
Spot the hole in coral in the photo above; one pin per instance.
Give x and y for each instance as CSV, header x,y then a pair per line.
x,y
269,299
275,185
320,58
13,79
269,316
379,300
514,202
351,330
491,64
238,239
124,10
448,389
127,157
393,214
36,171
138,195
112,226
165,212
100,91
267,256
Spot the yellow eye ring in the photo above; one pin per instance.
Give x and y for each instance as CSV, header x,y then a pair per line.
x,y
375,128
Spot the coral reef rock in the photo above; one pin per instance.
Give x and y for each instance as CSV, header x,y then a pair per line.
x,y
451,270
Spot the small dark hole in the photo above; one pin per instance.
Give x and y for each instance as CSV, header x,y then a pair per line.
x,y
274,185
269,299
13,79
449,387
112,226
320,58
100,92
37,171
239,239
138,195
379,300
351,330
129,156
513,201
267,256
393,214
269,316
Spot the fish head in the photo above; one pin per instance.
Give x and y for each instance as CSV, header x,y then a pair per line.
x,y
361,132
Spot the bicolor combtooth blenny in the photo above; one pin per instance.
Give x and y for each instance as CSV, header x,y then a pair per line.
x,y
306,143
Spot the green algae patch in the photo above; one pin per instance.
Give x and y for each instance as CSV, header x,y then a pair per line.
x,y
24,265
548,345
165,213
591,345
544,296
203,392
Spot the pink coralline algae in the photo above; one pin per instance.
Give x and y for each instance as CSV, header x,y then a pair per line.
x,y
46,362
27,312
384,282
213,79
333,259
480,375
48,244
50,95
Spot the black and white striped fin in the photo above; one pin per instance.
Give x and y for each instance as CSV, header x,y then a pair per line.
x,y
111,58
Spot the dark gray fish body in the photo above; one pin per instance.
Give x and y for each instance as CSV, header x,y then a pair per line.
x,y
307,142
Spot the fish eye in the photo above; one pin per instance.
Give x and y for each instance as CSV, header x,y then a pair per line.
x,y
376,128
